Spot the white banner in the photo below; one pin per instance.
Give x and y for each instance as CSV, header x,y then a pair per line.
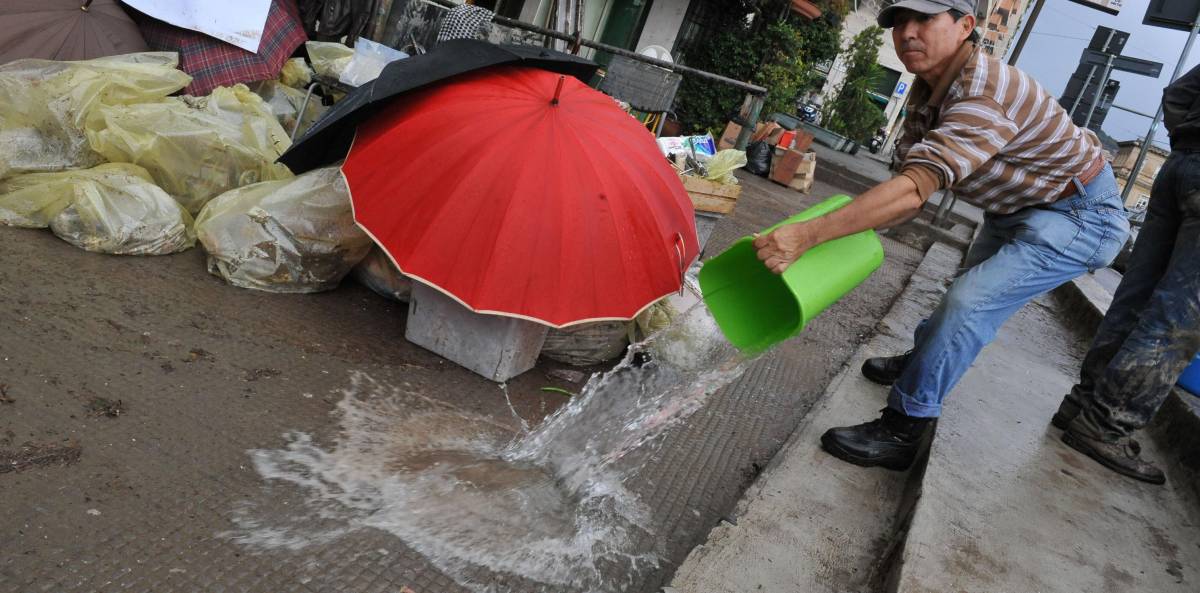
x,y
239,22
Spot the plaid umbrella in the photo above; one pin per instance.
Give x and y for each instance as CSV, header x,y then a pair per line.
x,y
213,63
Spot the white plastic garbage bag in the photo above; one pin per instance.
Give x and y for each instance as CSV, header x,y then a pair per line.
x,y
377,272
368,61
45,106
294,236
196,147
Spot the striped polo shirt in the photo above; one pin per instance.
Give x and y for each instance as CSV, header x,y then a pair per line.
x,y
993,135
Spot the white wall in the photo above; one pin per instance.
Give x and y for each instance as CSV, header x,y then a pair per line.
x,y
662,24
855,22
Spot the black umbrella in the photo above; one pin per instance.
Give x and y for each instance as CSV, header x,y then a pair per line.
x,y
329,139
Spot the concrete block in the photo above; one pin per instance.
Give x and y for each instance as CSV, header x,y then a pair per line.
x,y
705,223
499,348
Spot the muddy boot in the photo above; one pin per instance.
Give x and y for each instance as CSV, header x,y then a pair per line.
x,y
885,369
1067,411
1122,455
892,441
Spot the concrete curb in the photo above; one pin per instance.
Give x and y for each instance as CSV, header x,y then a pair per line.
x,y
1177,425
811,522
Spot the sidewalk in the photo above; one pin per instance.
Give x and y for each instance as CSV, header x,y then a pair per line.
x,y
1001,506
204,373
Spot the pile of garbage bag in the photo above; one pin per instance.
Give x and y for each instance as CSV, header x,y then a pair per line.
x,y
291,236
195,147
48,105
377,272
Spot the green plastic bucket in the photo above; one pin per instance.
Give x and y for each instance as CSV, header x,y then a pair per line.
x,y
756,308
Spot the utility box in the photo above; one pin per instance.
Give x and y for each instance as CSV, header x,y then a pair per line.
x,y
497,347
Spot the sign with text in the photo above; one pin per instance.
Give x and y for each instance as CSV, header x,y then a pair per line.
x,y
1123,63
1109,6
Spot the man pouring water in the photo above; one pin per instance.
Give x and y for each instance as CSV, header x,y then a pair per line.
x,y
992,134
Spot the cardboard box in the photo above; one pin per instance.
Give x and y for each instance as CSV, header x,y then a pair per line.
x,y
802,142
710,196
729,136
793,164
769,131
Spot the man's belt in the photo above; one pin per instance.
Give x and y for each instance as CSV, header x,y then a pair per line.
x,y
1086,177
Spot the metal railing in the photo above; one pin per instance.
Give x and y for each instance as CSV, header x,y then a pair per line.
x,y
756,94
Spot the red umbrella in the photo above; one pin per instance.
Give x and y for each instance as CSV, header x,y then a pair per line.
x,y
213,63
524,193
66,30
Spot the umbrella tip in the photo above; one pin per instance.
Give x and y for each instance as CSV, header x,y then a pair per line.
x,y
558,90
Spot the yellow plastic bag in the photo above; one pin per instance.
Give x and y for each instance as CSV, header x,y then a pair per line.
x,y
285,102
124,215
33,199
296,74
111,208
47,104
291,236
378,273
196,147
329,58
721,166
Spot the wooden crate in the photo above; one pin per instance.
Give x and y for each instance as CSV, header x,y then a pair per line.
x,y
710,196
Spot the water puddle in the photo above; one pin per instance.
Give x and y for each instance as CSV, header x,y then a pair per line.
x,y
533,509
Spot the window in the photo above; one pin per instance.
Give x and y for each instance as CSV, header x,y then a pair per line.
x,y
1142,202
508,8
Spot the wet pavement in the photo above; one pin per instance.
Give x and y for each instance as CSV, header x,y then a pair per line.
x,y
165,379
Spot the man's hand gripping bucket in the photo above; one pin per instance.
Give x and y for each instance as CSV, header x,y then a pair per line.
x,y
757,309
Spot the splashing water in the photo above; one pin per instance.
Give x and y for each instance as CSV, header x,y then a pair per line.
x,y
538,510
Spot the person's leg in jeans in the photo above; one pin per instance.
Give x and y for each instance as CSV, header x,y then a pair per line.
x,y
1147,264
884,370
1042,248
1047,247
1163,341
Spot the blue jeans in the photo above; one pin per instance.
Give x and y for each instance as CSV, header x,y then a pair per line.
x,y
1015,258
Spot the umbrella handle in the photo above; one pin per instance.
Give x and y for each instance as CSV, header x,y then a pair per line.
x,y
680,246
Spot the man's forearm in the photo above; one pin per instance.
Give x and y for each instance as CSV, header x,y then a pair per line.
x,y
891,202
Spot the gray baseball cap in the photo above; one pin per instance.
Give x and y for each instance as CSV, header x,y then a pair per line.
x,y
887,16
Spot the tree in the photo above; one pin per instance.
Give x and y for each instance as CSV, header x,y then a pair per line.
x,y
777,55
853,113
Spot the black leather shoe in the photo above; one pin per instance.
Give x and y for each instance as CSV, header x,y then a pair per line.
x,y
892,441
885,369
1122,456
1067,411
